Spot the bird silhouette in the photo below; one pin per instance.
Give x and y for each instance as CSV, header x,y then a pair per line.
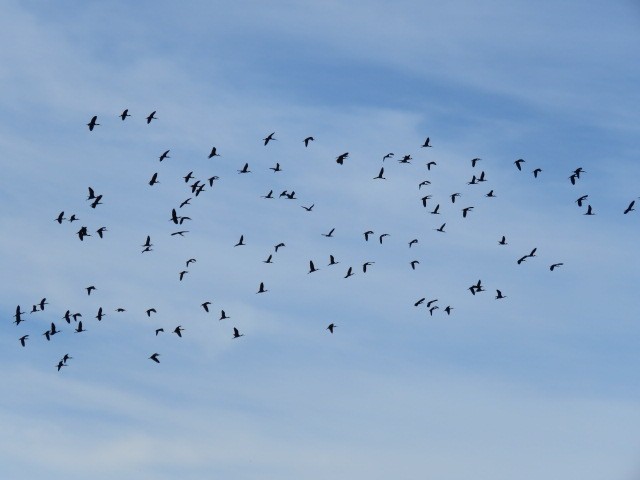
x,y
453,197
100,315
589,211
365,265
413,242
380,177
178,331
236,333
154,357
262,289
223,315
332,260
280,245
268,260
441,228
341,158
150,311
431,164
158,330
630,207
499,295
181,233
431,302
388,155
268,138
423,183
312,267
205,305
42,303
426,143
60,365
240,242
96,202
307,140
331,327
276,168
308,209
93,123
349,272
424,200
82,233
448,309
536,172
190,261
79,328
101,231
490,194
555,265
366,235
124,114
414,263
465,211
503,240
519,163
245,169
23,340
59,218
90,289
182,274
474,162
165,155
522,259
328,235
154,179
382,236
435,210
419,302
581,199
152,116
214,153
431,310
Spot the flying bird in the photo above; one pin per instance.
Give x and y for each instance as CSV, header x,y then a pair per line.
x,y
236,333
388,155
423,183
380,175
341,158
349,272
23,340
124,114
465,211
268,138
182,274
519,163
431,164
412,242
158,330
312,267
382,236
280,245
214,153
365,265
262,289
276,168
431,302
474,161
555,265
589,211
165,155
453,197
536,172
152,116
490,194
154,179
499,295
441,229
240,242
223,315
92,123
155,356
332,260
150,311
331,327
308,209
245,169
101,231
268,195
581,199
426,143
178,331
328,235
414,263
268,260
366,234
79,328
307,140
59,218
90,289
419,302
435,210
630,207
503,240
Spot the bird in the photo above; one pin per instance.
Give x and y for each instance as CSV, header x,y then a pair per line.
x,y
34,309
365,265
328,235
307,140
578,171
158,330
412,242
423,183
332,260
75,316
42,303
589,211
73,218
499,295
124,114
465,211
630,207
92,123
382,236
431,164
119,310
190,261
349,272
419,302
474,161
331,327
490,194
581,199
536,172
435,307
388,155
214,153
276,168
79,328
178,331
380,175
47,335
155,356
292,196
522,259
448,309
236,333
572,178
555,265
426,143
181,233
280,245
23,340
533,253
152,116
223,315
240,242
66,357
82,233
414,263
262,289
150,311
405,159
431,302
283,194
154,179
341,158
91,195
366,235
245,169
441,229
503,241
90,289
268,138
435,210
165,155
182,274
424,200
101,231
474,181
308,209
96,202
453,197
100,315
519,163
268,260
59,218
60,365
312,267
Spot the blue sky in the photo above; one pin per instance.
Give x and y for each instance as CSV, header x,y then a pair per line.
x,y
541,384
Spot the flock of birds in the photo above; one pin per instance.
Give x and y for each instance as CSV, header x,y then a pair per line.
x,y
197,186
